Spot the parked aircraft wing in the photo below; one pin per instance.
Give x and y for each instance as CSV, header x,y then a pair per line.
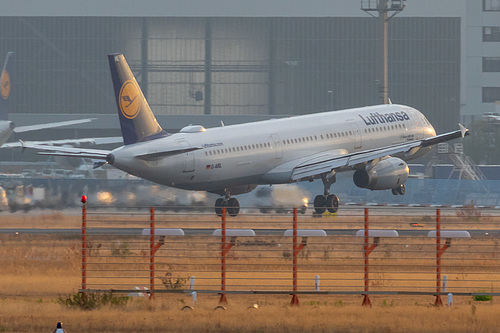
x,y
21,129
316,166
93,141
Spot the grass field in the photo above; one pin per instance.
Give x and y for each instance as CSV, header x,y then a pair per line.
x,y
37,270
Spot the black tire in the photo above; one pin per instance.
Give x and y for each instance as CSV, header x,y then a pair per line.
x,y
402,189
320,204
332,203
219,204
233,207
395,191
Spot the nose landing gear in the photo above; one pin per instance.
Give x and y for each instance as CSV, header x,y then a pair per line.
x,y
401,190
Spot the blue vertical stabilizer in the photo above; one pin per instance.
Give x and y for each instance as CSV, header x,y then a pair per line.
x,y
137,121
6,86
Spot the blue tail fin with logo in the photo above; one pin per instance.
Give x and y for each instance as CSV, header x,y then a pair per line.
x,y
137,121
5,86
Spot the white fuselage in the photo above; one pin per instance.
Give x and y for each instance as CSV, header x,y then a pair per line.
x,y
239,157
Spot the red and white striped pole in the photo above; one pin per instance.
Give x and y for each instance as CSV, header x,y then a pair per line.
x,y
84,244
223,299
366,253
296,250
439,253
152,251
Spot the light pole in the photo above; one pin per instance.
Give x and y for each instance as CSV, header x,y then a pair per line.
x,y
383,9
292,64
330,100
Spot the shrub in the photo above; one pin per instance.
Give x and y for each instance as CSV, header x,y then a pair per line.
x,y
122,250
91,301
482,298
172,283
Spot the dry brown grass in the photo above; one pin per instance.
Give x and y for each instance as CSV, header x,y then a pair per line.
x,y
273,315
37,269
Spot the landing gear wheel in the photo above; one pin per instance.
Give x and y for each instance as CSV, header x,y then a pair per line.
x,y
332,203
233,207
320,204
402,189
219,204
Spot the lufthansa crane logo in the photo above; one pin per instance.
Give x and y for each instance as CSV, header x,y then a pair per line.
x,y
5,84
130,101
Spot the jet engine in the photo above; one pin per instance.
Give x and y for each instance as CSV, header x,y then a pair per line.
x,y
387,174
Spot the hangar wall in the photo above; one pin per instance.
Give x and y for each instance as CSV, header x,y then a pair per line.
x,y
234,66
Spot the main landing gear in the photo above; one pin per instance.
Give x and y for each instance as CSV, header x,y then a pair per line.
x,y
401,190
328,201
232,205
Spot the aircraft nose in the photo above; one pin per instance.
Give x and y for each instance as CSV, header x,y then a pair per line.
x,y
110,158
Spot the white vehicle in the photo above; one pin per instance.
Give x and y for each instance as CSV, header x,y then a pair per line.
x,y
491,117
373,141
281,198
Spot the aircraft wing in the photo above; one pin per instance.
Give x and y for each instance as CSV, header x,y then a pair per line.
x,y
316,165
96,154
21,129
93,141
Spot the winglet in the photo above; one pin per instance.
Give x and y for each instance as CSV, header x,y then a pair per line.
x,y
23,145
463,130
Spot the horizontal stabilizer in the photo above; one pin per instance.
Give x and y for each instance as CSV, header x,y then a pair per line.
x,y
96,154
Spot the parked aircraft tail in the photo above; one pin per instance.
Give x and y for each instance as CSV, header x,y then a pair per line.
x,y
137,121
5,86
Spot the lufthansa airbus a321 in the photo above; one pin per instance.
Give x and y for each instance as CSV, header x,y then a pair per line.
x,y
373,141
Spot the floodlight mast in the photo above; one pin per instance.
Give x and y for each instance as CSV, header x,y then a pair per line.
x,y
383,7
